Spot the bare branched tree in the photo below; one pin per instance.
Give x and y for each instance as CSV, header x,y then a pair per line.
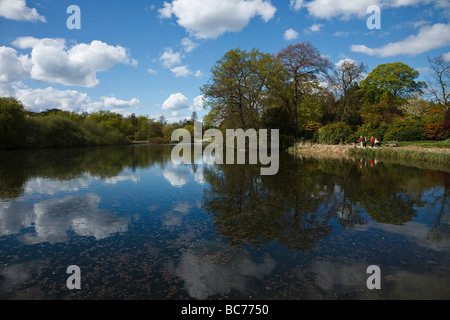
x,y
440,82
347,73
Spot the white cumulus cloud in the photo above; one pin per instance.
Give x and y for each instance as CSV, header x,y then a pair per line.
x,y
198,103
188,44
327,9
176,101
209,19
181,71
119,106
346,60
428,38
199,74
39,100
345,9
295,4
314,28
52,62
13,66
446,56
290,34
18,10
170,58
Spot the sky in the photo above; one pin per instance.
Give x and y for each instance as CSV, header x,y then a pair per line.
x,y
152,57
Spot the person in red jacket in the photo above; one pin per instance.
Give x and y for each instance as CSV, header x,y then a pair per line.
x,y
372,140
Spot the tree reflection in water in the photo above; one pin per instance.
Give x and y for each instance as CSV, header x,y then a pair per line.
x,y
300,205
309,231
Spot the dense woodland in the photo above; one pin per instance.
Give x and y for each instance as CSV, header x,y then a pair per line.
x,y
297,91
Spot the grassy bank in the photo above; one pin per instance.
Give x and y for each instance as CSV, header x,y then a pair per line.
x,y
421,154
322,151
403,154
443,144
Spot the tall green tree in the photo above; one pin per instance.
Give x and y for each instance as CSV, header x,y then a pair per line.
x,y
12,119
305,67
397,79
236,95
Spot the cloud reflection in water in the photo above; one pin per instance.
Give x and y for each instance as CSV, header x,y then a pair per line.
x,y
53,219
211,270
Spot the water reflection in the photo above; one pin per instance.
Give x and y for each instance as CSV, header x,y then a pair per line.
x,y
210,269
174,217
51,187
73,167
179,175
302,204
51,220
15,215
144,227
16,274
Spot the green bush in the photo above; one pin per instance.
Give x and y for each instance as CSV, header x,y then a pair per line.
x,y
12,118
159,140
286,141
335,133
368,130
55,131
407,130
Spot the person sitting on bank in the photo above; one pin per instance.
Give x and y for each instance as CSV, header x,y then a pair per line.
x,y
377,143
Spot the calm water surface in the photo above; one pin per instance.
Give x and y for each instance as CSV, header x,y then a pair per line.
x,y
140,227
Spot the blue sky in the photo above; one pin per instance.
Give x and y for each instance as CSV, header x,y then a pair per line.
x,y
152,57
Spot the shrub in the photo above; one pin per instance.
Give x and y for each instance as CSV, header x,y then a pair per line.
x,y
335,133
407,130
434,125
286,141
434,130
369,130
12,118
158,140
55,131
447,124
311,128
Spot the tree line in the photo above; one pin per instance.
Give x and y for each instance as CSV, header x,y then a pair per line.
x,y
301,93
20,128
297,91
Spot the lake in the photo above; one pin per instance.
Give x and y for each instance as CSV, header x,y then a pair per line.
x,y
140,227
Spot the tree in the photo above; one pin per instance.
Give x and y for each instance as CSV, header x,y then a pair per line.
x,y
12,118
415,106
143,128
194,116
345,77
398,80
237,91
440,82
304,67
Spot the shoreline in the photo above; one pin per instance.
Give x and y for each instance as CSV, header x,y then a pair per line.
x,y
426,158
